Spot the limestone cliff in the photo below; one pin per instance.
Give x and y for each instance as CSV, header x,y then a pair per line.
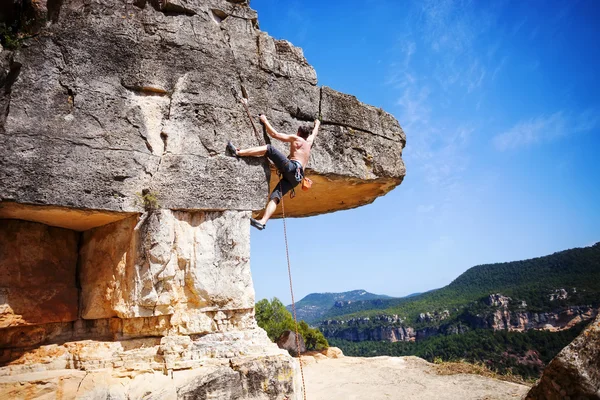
x,y
124,235
498,316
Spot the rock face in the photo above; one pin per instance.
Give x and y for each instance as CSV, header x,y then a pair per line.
x,y
124,234
575,372
37,286
135,98
192,266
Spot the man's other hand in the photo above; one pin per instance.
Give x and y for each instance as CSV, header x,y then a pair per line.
x,y
263,118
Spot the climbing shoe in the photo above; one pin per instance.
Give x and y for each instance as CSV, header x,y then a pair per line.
x,y
257,224
231,149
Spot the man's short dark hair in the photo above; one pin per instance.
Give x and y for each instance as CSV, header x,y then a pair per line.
x,y
304,132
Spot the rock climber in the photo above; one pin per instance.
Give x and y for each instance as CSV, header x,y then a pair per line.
x,y
291,167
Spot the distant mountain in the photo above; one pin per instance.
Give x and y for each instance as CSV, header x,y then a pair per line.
x,y
413,294
515,315
312,307
532,281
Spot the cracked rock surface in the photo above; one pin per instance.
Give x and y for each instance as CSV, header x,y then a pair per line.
x,y
112,98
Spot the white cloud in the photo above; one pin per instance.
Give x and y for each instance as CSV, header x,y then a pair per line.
x,y
414,106
440,61
499,67
517,27
454,29
545,128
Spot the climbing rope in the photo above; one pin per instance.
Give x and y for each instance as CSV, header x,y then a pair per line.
x,y
243,100
287,254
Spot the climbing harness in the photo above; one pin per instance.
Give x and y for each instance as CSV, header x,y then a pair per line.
x,y
244,100
287,254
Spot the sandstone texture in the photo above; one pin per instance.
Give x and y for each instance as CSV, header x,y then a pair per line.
x,y
575,372
314,356
124,232
193,266
37,279
237,365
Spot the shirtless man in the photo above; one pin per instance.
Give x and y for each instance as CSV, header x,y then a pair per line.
x,y
291,168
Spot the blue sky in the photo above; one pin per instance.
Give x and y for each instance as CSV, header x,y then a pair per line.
x,y
500,102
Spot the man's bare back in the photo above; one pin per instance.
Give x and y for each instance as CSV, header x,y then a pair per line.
x,y
300,150
291,174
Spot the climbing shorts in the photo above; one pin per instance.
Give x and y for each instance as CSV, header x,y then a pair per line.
x,y
291,173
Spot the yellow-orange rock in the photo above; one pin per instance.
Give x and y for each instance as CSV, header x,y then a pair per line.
x,y
37,274
193,266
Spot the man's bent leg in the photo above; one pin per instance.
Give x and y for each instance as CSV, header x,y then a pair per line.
x,y
271,207
278,158
253,152
280,190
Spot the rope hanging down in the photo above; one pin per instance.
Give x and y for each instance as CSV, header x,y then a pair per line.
x,y
287,254
244,100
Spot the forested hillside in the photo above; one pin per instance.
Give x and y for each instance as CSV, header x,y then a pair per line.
x,y
513,316
517,353
532,281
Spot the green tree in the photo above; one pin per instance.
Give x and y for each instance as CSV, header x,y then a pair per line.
x,y
274,318
313,338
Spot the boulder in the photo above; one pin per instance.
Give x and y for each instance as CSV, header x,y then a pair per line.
x,y
575,372
287,341
333,352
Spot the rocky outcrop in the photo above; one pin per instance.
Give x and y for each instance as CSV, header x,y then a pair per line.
x,y
236,365
391,328
383,327
559,294
575,372
519,321
132,98
124,235
497,300
192,266
166,294
287,341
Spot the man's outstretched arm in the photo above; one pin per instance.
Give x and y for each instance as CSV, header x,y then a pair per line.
x,y
273,133
315,131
